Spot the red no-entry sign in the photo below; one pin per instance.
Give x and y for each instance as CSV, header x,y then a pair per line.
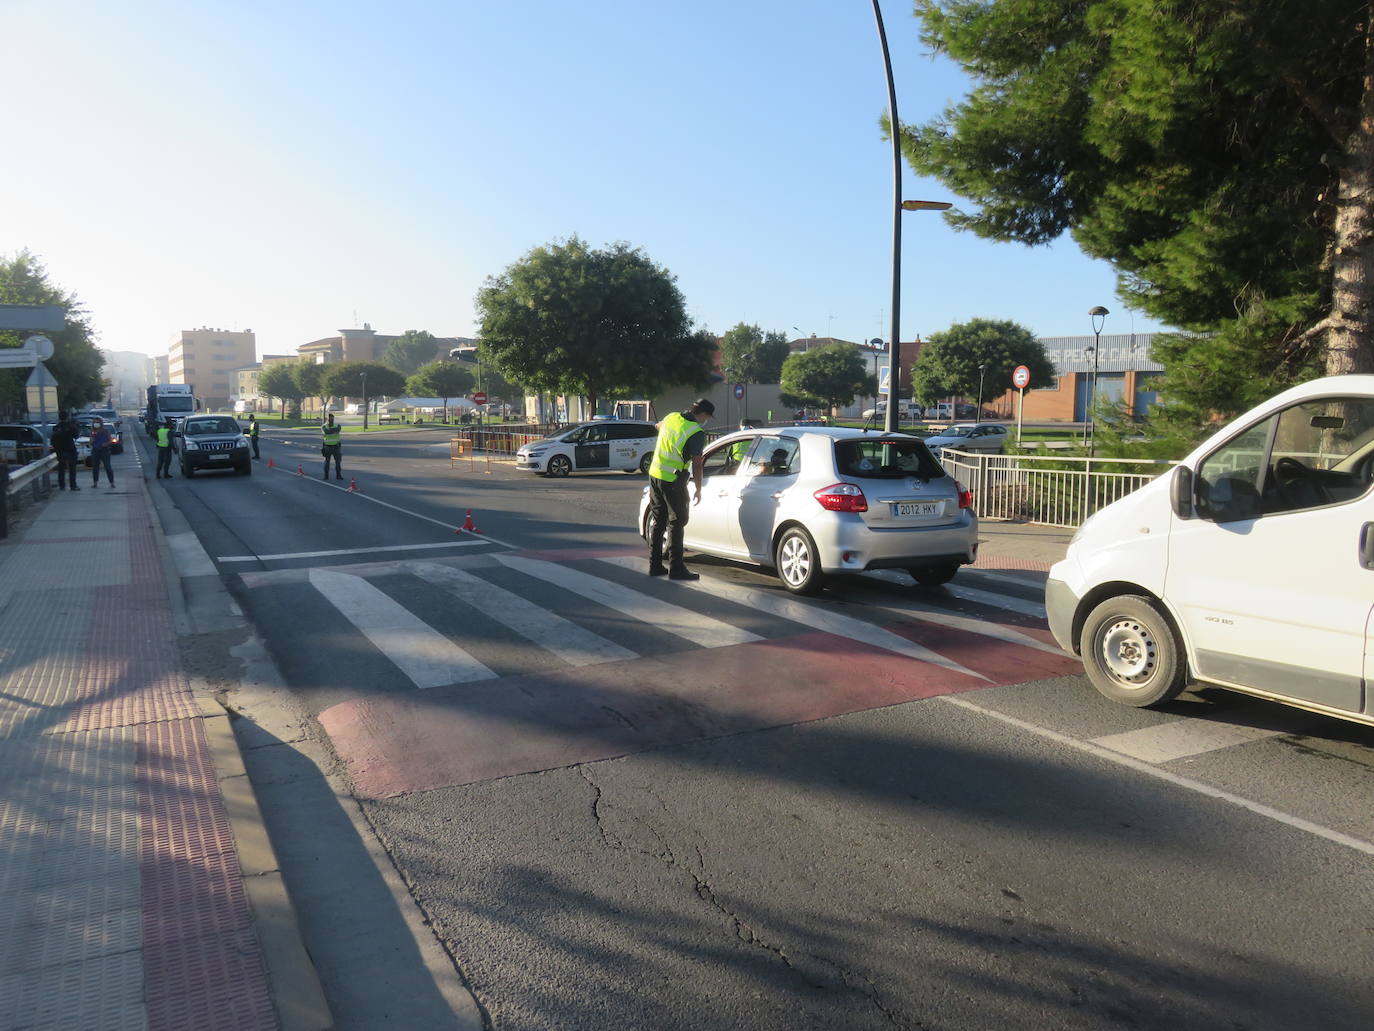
x,y
479,398
1020,377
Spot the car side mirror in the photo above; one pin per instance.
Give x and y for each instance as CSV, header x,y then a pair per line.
x,y
1181,492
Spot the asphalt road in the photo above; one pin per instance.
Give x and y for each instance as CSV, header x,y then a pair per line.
x,y
804,829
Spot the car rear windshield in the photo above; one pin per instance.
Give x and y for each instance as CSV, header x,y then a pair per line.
x,y
885,458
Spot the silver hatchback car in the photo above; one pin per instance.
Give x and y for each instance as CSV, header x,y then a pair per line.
x,y
810,501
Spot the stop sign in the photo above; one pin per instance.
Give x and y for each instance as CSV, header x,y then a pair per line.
x,y
479,398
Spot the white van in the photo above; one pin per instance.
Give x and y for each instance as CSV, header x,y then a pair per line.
x,y
1250,566
625,444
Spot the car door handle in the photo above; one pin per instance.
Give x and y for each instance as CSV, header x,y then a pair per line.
x,y
1367,545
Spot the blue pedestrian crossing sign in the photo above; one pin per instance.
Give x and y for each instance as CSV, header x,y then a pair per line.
x,y
883,377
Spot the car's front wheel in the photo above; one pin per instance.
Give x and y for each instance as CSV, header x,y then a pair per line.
x,y
797,563
185,469
559,466
934,576
1131,652
645,462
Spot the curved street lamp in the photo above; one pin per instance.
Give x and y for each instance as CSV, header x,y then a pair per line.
x,y
1099,316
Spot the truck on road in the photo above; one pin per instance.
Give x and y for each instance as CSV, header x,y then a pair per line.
x,y
169,401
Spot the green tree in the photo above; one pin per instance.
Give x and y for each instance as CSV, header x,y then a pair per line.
x,y
765,354
948,362
410,350
596,323
76,361
443,378
362,380
1193,146
309,377
279,382
832,375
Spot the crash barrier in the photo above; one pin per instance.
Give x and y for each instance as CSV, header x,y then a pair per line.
x,y
460,449
497,441
35,475
1051,490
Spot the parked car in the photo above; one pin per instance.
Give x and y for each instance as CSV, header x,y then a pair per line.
x,y
108,415
211,442
989,437
1250,566
812,501
905,411
21,443
353,409
626,444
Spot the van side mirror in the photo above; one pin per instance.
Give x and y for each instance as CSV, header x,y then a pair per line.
x,y
1181,492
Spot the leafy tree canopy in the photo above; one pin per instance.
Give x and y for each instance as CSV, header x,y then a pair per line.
x,y
595,323
832,375
440,379
948,362
752,356
410,350
76,361
309,377
1193,145
279,381
362,379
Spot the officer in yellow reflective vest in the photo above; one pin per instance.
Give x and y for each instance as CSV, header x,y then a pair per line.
x,y
331,447
679,446
253,429
164,450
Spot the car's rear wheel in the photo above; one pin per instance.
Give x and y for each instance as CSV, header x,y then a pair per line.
x,y
559,465
934,576
1132,653
797,563
645,462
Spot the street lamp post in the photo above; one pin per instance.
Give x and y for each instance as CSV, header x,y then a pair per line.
x,y
898,206
978,415
1099,316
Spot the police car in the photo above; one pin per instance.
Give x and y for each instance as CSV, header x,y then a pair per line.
x,y
605,444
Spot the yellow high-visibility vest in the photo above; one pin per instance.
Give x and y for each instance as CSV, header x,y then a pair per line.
x,y
164,437
673,434
331,435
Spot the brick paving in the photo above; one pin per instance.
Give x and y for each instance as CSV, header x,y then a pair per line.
x,y
122,903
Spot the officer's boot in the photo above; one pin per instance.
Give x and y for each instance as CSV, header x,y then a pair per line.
x,y
656,566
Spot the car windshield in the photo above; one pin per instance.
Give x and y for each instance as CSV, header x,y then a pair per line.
x,y
956,431
879,458
212,426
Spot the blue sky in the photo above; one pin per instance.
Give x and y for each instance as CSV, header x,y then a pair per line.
x,y
303,167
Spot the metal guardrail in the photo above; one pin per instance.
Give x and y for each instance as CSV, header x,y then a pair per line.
x,y
1048,489
34,475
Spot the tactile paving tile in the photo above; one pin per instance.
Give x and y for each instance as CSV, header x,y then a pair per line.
x,y
104,993
42,651
145,561
213,983
138,695
93,563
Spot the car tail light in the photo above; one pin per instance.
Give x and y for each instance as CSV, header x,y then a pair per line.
x,y
965,495
842,497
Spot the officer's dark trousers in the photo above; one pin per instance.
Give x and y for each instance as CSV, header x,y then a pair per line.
x,y
254,440
668,505
332,451
66,469
164,462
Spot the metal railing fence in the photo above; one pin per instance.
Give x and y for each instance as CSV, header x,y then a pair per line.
x,y
1047,489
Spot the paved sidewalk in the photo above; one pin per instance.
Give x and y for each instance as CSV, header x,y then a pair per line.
x,y
122,900
1020,546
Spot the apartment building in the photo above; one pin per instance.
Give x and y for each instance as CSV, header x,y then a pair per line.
x,y
208,359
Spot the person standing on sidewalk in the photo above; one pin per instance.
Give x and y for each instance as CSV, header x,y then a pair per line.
x,y
679,446
101,442
164,450
253,428
332,446
63,441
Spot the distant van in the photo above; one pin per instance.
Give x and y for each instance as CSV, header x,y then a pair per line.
x,y
1250,566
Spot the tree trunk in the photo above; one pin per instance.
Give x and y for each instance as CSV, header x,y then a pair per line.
x,y
1349,347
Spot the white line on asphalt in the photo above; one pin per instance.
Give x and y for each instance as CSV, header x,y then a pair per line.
x,y
1259,808
926,614
1181,738
695,627
394,508
570,642
989,598
347,551
423,654
809,615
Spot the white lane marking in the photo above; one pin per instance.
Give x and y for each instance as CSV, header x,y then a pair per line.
x,y
695,627
570,642
1117,758
188,555
423,654
347,551
973,626
992,599
809,615
1181,738
394,508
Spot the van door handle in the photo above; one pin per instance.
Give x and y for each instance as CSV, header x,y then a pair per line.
x,y
1367,545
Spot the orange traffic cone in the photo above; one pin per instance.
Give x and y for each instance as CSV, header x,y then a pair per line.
x,y
300,471
468,525
353,486
271,464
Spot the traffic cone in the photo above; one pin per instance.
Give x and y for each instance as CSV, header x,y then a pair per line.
x,y
270,463
353,486
468,525
300,471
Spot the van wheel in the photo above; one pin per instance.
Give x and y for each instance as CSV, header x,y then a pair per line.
x,y
559,465
797,563
1131,652
645,462
934,576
